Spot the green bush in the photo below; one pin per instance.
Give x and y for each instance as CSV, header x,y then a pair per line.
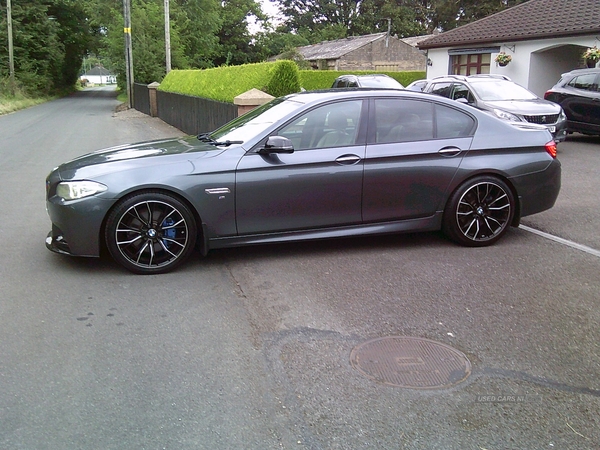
x,y
285,79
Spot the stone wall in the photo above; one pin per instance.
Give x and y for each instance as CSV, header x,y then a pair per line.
x,y
396,56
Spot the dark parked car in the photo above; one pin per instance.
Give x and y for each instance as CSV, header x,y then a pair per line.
x,y
503,98
578,94
366,81
306,166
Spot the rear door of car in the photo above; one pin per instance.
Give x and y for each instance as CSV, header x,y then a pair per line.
x,y
318,185
580,100
414,149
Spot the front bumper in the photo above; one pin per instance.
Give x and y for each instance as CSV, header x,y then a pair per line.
x,y
76,225
56,243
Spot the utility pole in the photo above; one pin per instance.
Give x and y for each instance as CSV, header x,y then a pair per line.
x,y
11,61
128,51
167,36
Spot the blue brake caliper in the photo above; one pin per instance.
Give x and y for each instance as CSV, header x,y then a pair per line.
x,y
169,233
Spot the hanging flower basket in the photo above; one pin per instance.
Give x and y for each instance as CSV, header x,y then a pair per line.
x,y
503,59
591,56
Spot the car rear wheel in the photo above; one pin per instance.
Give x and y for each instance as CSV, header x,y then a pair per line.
x,y
150,233
479,212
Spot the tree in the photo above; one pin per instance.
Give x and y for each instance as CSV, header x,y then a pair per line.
x,y
449,14
236,46
49,38
199,22
314,19
74,34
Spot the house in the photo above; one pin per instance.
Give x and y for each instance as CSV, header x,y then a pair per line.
x,y
99,75
378,52
545,39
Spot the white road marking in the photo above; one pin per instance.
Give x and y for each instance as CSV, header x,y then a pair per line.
x,y
560,240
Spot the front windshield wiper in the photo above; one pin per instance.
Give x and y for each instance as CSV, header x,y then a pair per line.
x,y
205,137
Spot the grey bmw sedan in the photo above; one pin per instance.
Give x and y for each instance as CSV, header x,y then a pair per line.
x,y
312,165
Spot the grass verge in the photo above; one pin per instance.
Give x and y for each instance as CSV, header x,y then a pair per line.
x,y
8,105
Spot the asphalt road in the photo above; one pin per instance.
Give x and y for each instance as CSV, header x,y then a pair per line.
x,y
250,348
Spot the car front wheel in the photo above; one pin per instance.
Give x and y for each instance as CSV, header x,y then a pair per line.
x,y
150,232
479,212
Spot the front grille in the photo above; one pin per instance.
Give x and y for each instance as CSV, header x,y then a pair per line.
x,y
545,119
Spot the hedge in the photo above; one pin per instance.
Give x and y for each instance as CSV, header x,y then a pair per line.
x,y
323,79
276,78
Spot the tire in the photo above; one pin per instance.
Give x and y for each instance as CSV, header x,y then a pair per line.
x,y
479,212
150,233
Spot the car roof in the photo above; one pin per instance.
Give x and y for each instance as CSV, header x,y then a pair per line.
x,y
470,78
374,75
308,97
581,71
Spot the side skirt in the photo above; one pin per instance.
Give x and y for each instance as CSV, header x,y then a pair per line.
x,y
431,223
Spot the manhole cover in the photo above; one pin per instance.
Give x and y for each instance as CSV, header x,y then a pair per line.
x,y
410,362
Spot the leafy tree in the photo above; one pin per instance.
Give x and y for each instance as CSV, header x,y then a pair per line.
x,y
74,34
404,18
199,22
148,42
236,46
307,17
275,42
49,39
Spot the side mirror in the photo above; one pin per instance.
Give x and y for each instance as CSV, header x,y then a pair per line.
x,y
462,100
278,144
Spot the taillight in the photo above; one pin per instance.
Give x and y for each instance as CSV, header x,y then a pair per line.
x,y
551,148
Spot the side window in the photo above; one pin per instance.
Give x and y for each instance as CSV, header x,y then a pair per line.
x,y
585,82
401,120
352,83
462,91
452,123
443,89
331,125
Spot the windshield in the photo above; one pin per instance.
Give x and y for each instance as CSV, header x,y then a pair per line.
x,y
256,121
490,90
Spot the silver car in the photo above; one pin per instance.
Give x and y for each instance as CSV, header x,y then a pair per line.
x,y
312,165
505,99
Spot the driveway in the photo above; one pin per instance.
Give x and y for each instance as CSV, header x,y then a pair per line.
x,y
251,348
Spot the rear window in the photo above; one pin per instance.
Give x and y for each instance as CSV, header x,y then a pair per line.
x,y
585,82
380,82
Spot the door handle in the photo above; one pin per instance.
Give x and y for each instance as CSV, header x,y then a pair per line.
x,y
347,159
449,151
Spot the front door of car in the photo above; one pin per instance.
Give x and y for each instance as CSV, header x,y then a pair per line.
x,y
414,150
318,185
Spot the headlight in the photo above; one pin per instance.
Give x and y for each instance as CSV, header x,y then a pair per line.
x,y
562,116
71,190
506,115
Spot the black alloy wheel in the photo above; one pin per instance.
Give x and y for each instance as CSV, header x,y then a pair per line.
x,y
150,233
479,212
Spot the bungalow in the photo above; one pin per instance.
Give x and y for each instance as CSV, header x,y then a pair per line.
x,y
99,75
544,38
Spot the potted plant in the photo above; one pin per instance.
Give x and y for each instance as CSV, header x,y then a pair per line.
x,y
591,56
503,59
